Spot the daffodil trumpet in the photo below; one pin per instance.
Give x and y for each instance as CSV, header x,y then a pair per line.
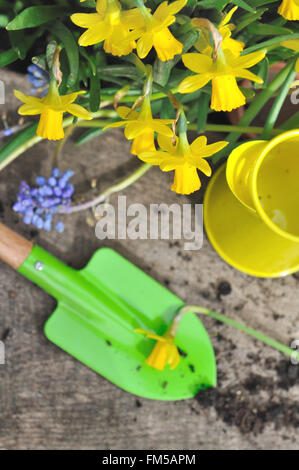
x,y
51,109
289,9
165,352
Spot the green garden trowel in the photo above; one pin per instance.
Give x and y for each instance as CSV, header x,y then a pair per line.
x,y
98,310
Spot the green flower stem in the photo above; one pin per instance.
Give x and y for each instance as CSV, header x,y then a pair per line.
x,y
277,105
125,183
239,326
36,139
228,128
262,98
94,123
274,42
193,127
132,98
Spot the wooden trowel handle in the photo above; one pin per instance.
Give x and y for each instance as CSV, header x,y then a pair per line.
x,y
14,249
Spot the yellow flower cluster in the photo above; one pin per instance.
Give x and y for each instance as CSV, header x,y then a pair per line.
x,y
120,29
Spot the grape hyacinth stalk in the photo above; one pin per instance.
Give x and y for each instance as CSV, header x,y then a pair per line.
x,y
39,204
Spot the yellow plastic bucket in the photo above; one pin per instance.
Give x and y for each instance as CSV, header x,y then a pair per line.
x,y
251,209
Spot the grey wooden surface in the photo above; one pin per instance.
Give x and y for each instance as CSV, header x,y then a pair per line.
x,y
48,400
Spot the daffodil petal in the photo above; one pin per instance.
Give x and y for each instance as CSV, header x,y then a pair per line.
x,y
199,143
169,164
198,63
161,128
176,6
133,18
228,17
101,6
248,60
154,158
30,110
207,150
125,112
236,47
115,124
70,98
86,20
291,44
201,164
193,83
144,45
165,143
151,335
94,35
27,99
134,129
243,73
79,111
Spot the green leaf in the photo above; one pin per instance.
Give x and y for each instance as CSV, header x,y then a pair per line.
x,y
89,135
95,93
8,57
249,94
263,71
263,29
203,110
16,142
65,36
21,44
35,16
244,5
249,18
213,4
4,20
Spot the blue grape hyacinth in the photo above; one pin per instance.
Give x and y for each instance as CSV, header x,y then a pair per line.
x,y
39,204
38,78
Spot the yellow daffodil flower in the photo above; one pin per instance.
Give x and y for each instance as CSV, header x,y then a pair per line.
x,y
294,45
51,109
223,71
157,34
110,24
225,29
165,351
141,127
289,9
185,159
